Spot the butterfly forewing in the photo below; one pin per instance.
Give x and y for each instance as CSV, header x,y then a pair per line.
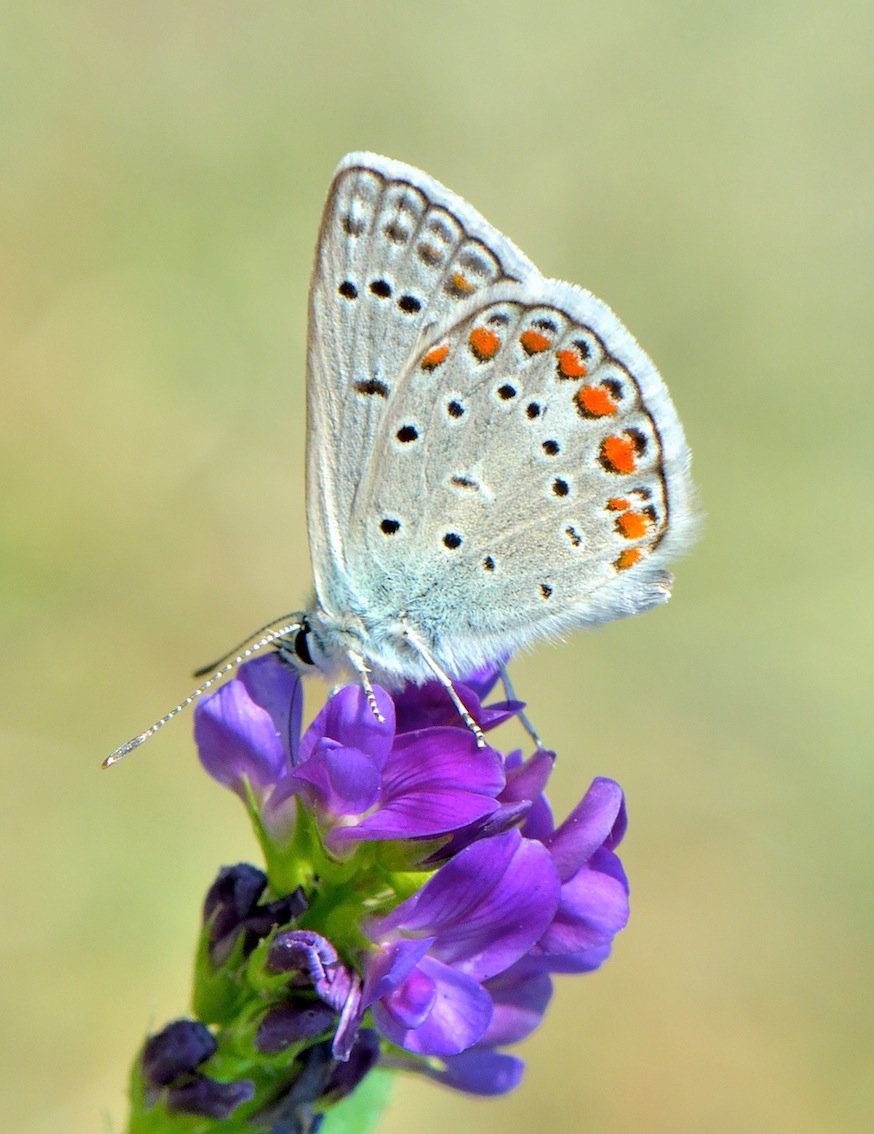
x,y
397,253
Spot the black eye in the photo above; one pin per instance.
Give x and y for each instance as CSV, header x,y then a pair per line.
x,y
301,647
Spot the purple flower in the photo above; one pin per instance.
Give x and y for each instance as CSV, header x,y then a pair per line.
x,y
479,914
449,959
362,779
364,782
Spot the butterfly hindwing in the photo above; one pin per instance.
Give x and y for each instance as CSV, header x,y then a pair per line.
x,y
529,476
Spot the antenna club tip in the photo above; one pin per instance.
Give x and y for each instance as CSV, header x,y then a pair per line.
x,y
124,749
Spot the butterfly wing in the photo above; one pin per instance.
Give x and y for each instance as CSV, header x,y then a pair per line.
x,y
529,475
397,253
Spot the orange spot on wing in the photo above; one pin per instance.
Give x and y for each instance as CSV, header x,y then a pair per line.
x,y
633,525
461,283
595,401
533,342
617,504
570,365
618,454
484,343
628,558
435,356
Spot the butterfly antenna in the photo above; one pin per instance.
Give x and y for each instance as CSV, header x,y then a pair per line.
x,y
204,669
220,671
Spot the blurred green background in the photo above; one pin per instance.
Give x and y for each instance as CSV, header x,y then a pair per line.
x,y
704,168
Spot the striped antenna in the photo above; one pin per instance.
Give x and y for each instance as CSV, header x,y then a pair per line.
x,y
266,640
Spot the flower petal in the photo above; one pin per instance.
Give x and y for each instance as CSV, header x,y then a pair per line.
x,y
338,780
348,719
434,781
460,1014
592,910
480,1071
278,689
237,737
390,966
429,705
598,819
487,906
520,999
411,1003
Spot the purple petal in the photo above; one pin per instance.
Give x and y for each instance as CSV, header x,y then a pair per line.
x,y
348,719
520,1001
301,951
539,823
457,888
479,1071
460,1014
595,821
592,910
434,781
389,967
236,738
607,862
350,1014
278,689
487,906
178,1049
430,706
504,818
338,780
585,961
411,1003
527,781
510,918
232,898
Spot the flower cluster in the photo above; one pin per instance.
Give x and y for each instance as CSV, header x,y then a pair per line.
x,y
417,898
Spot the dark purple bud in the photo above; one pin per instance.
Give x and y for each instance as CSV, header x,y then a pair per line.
x,y
231,907
288,1024
208,1097
232,898
362,1058
284,910
177,1050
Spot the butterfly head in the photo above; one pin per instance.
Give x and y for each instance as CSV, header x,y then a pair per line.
x,y
302,648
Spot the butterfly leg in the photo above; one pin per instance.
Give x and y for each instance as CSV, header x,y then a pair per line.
x,y
446,681
511,696
360,666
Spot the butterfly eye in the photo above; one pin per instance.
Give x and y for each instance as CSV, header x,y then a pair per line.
x,y
301,646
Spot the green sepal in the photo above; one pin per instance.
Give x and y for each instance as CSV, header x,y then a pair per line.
x,y
218,993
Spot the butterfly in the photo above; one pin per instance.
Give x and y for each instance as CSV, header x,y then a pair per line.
x,y
492,459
